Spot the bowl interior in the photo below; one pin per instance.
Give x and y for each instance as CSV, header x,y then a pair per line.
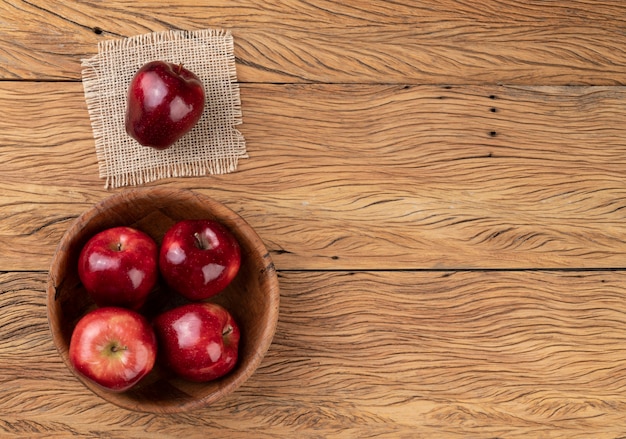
x,y
252,297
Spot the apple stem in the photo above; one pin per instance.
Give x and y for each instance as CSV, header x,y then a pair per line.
x,y
118,348
200,242
180,68
227,331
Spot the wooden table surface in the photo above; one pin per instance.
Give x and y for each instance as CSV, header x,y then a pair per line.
x,y
442,188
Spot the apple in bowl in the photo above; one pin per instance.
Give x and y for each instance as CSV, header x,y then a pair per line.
x,y
198,341
199,258
118,267
113,347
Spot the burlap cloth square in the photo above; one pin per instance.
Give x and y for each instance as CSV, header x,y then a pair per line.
x,y
213,146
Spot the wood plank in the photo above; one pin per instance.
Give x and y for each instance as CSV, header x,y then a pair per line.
x,y
419,354
362,176
453,41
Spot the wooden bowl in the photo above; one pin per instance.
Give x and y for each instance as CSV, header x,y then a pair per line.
x,y
252,297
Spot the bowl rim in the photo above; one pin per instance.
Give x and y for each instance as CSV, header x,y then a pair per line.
x,y
231,218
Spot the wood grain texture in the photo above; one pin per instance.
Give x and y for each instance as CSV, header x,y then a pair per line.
x,y
452,41
369,354
362,176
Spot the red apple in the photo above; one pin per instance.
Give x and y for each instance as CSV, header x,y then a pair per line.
x,y
198,341
114,347
119,267
199,258
165,101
